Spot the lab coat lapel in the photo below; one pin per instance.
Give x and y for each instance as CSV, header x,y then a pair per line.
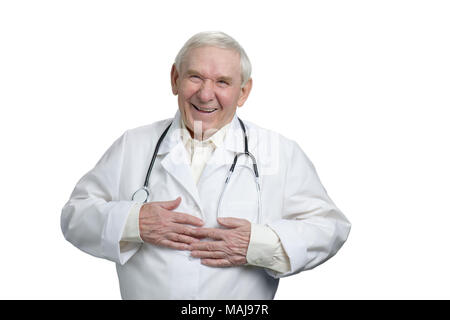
x,y
175,161
220,158
225,153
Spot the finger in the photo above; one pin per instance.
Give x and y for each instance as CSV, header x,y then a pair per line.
x,y
168,205
208,254
175,245
176,237
186,230
216,262
207,246
212,233
232,222
179,217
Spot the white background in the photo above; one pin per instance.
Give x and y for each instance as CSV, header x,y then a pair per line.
x,y
362,86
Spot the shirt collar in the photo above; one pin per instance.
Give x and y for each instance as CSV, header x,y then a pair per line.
x,y
216,139
232,140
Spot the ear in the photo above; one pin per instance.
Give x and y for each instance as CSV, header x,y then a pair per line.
x,y
174,79
245,91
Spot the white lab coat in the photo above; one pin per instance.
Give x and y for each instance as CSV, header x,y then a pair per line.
x,y
294,204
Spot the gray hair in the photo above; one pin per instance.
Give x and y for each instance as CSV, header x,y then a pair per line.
x,y
220,40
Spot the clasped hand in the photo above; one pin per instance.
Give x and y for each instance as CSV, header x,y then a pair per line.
x,y
161,226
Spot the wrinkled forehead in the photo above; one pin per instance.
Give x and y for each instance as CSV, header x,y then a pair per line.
x,y
212,61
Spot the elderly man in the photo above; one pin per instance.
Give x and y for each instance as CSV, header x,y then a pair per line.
x,y
205,205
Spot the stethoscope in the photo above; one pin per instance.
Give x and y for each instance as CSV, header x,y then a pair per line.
x,y
142,194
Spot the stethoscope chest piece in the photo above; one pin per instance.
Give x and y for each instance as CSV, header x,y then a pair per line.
x,y
141,195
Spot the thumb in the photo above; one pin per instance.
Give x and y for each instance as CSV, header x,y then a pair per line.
x,y
169,205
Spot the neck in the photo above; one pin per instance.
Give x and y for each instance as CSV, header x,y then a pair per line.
x,y
198,133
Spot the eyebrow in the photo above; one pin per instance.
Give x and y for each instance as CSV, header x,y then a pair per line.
x,y
191,72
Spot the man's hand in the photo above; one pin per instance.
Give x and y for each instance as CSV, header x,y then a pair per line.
x,y
230,245
161,226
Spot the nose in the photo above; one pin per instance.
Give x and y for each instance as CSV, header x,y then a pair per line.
x,y
206,91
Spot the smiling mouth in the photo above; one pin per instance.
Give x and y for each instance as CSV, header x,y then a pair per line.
x,y
204,110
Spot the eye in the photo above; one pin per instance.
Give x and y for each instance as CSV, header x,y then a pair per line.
x,y
195,78
223,83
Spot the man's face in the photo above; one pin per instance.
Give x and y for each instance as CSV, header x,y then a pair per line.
x,y
209,88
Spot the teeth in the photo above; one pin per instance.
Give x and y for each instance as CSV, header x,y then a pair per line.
x,y
205,109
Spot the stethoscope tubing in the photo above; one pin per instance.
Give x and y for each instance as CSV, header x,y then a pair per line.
x,y
155,153
145,187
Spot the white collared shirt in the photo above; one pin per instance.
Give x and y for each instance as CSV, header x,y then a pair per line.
x,y
264,250
199,152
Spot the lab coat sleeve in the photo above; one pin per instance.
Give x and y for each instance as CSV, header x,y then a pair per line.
x,y
312,229
94,218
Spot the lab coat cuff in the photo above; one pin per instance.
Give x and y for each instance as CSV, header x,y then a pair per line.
x,y
113,230
262,246
296,252
131,231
